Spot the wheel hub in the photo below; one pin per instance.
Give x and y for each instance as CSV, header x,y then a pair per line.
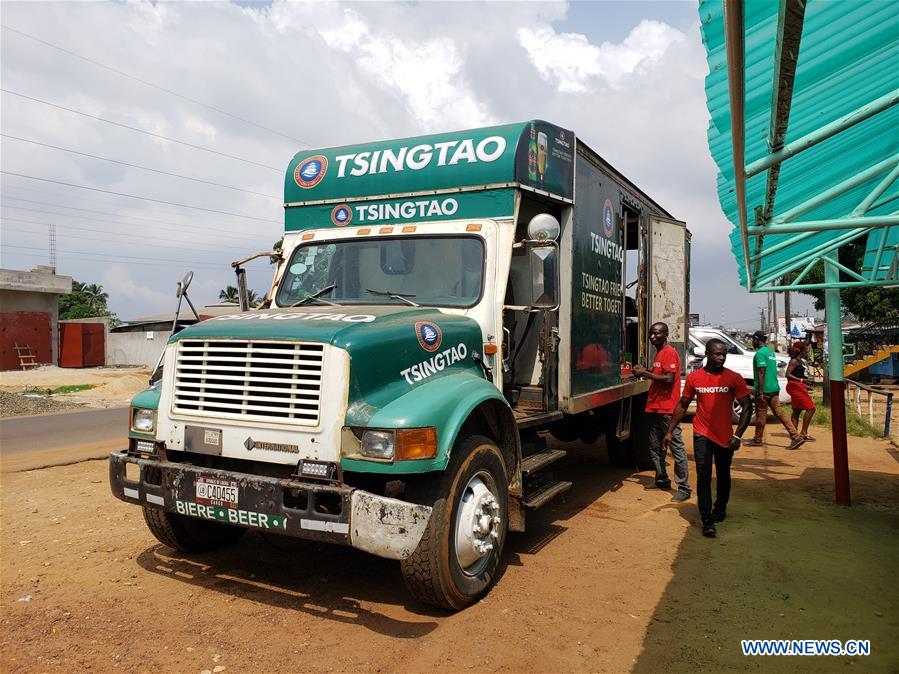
x,y
478,523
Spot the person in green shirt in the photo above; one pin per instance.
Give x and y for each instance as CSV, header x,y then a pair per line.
x,y
767,393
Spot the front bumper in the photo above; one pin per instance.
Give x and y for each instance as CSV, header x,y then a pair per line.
x,y
383,526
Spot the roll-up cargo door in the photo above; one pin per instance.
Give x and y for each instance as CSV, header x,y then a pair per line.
x,y
669,280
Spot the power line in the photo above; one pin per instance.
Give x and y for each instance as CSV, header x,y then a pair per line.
x,y
141,237
180,226
160,263
76,196
134,128
116,256
138,166
156,86
135,196
131,240
196,220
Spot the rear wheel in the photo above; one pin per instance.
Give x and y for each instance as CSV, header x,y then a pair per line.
x,y
459,554
619,451
189,534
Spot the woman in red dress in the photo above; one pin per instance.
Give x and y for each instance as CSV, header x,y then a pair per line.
x,y
797,387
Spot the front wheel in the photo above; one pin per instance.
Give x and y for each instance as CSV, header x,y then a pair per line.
x,y
189,534
458,556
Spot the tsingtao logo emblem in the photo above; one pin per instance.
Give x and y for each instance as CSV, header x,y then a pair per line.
x,y
342,215
608,219
429,335
310,171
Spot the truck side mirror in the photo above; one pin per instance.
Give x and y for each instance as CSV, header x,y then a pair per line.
x,y
544,262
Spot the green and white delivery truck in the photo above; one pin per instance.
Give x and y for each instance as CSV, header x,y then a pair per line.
x,y
441,304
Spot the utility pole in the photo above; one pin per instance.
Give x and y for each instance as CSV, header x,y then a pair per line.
x,y
52,247
761,319
787,323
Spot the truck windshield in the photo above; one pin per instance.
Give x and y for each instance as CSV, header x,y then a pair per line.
x,y
443,271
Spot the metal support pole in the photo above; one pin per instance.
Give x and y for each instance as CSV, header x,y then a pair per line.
x,y
886,422
787,323
837,385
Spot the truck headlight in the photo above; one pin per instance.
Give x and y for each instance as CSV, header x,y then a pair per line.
x,y
142,420
402,444
378,444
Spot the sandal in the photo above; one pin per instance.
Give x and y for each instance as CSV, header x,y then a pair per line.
x,y
808,438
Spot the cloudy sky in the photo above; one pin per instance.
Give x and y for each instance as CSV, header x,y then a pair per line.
x,y
154,136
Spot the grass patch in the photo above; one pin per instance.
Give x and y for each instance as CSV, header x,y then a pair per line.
x,y
855,425
72,388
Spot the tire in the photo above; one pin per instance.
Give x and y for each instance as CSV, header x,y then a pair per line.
x,y
619,451
639,441
446,570
189,534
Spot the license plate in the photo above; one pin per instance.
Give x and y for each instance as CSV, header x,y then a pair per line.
x,y
212,491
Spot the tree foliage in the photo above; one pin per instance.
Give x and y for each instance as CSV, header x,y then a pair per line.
x,y
864,304
85,301
230,294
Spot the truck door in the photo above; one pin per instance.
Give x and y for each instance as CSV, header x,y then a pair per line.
x,y
668,273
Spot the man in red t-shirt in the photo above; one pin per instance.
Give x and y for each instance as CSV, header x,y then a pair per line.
x,y
664,394
715,388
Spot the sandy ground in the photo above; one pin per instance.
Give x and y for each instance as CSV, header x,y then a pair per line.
x,y
114,386
609,578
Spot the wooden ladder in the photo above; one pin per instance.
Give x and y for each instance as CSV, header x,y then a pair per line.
x,y
26,356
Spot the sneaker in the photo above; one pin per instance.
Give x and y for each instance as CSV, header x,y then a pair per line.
x,y
808,438
754,442
680,495
797,442
708,530
718,517
659,485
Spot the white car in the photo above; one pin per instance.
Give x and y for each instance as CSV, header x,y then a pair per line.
x,y
739,359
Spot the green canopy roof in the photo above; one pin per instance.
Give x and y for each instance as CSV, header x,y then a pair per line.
x,y
805,131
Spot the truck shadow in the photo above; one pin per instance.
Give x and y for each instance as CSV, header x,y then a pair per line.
x,y
326,581
341,584
588,468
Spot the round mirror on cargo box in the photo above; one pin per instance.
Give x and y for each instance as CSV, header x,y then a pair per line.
x,y
544,227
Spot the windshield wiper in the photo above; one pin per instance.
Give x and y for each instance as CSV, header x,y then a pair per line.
x,y
318,297
402,297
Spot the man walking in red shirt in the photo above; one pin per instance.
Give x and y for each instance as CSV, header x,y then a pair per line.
x,y
715,388
664,393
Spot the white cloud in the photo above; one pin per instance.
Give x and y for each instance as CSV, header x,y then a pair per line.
x,y
427,73
571,61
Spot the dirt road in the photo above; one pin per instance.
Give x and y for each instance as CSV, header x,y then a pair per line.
x,y
613,578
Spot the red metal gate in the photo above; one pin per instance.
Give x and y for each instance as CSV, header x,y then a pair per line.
x,y
25,328
82,344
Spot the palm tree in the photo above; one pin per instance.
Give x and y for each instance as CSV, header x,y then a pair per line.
x,y
95,295
229,294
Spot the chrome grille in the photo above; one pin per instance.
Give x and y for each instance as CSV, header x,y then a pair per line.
x,y
278,381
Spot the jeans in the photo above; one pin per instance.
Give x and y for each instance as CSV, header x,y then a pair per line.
x,y
658,426
705,452
762,403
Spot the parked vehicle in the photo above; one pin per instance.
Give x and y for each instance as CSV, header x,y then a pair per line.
x,y
739,359
438,303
